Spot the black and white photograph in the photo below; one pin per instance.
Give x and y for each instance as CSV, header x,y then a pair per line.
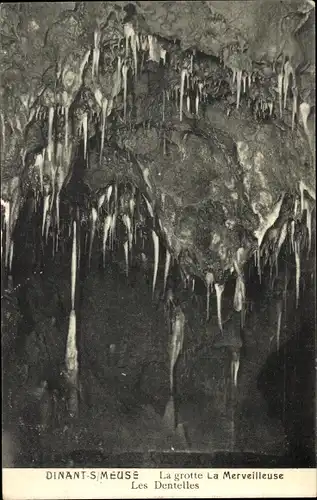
x,y
158,226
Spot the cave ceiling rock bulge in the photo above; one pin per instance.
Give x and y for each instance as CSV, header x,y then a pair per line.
x,y
79,75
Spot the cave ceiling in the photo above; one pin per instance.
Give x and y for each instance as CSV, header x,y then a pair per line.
x,y
206,108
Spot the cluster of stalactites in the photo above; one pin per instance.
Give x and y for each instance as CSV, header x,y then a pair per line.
x,y
274,230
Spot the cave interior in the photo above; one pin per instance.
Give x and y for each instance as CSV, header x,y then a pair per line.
x,y
158,232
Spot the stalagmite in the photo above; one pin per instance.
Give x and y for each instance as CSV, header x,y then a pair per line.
x,y
209,282
219,290
270,105
106,227
126,257
156,245
280,79
298,269
175,347
239,77
94,217
184,74
85,133
166,268
50,145
71,358
125,90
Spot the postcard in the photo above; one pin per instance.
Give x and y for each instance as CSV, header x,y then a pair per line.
x,y
158,225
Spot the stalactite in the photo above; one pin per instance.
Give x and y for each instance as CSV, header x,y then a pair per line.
x,y
132,206
288,71
258,261
11,256
3,136
85,133
304,109
280,80
39,163
163,107
309,209
106,228
48,225
71,358
197,102
108,194
219,290
7,213
239,77
149,206
101,201
156,245
280,242
294,107
235,365
298,269
103,126
209,284
46,205
244,82
96,54
279,307
125,90
50,145
292,224
66,127
126,257
188,103
113,228
184,74
166,268
94,217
